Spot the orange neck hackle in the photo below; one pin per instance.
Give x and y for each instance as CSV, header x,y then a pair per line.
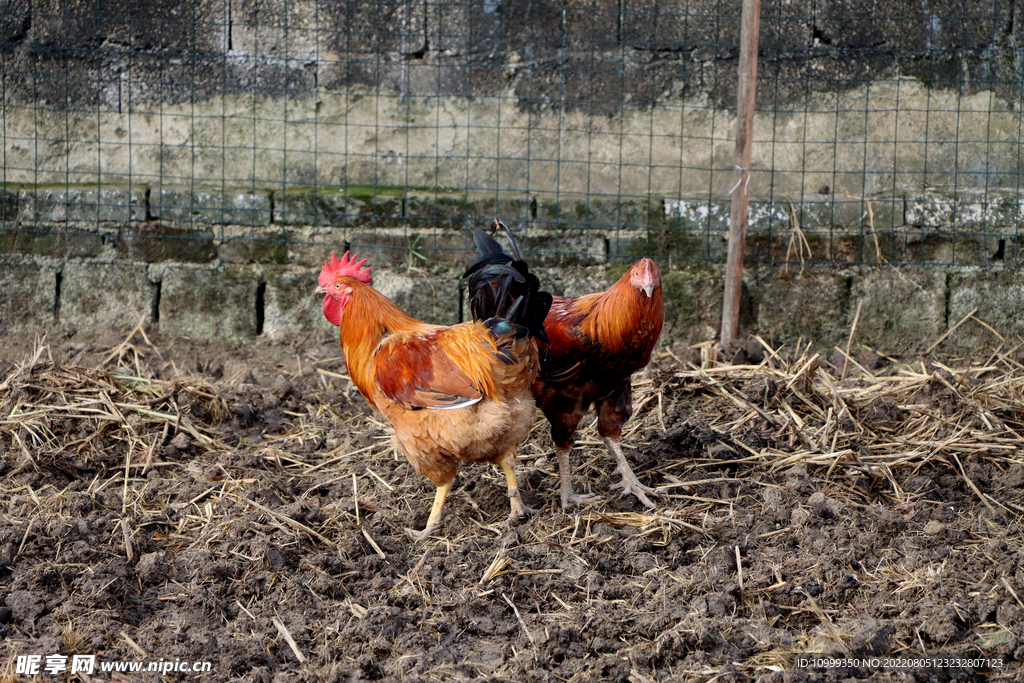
x,y
616,315
366,318
362,314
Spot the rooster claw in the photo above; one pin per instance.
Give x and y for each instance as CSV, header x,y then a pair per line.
x,y
635,484
519,509
578,499
418,536
637,489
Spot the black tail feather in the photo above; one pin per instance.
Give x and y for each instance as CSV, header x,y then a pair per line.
x,y
511,240
501,285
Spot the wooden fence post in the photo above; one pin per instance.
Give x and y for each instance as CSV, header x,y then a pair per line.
x,y
745,100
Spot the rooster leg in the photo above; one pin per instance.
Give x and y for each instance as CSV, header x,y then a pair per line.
x,y
435,513
565,474
629,484
519,508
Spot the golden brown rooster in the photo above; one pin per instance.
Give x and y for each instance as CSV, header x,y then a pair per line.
x,y
453,394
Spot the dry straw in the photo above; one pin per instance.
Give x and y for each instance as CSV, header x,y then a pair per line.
x,y
861,436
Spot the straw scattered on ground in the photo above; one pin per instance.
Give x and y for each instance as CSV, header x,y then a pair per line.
x,y
186,502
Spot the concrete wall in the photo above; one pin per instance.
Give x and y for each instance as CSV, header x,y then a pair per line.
x,y
199,275
155,150
903,311
600,97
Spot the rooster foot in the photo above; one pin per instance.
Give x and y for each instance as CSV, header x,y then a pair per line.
x,y
632,478
436,511
418,536
630,485
519,508
579,499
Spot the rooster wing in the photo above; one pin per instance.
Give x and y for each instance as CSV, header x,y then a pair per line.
x,y
442,368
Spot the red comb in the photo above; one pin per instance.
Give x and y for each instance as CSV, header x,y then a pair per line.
x,y
347,266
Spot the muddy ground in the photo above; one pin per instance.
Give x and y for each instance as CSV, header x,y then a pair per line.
x,y
259,501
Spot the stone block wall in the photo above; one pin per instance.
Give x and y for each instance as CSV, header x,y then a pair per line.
x,y
194,161
204,273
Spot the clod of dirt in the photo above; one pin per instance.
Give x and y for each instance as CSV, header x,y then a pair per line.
x,y
872,637
281,387
180,441
869,359
747,352
715,604
707,437
883,411
934,528
239,371
941,622
760,390
891,522
797,480
25,606
151,568
722,452
799,517
823,506
686,354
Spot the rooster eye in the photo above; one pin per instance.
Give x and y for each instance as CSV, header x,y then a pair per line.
x,y
337,285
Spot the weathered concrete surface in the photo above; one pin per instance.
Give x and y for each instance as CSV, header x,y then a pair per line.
x,y
901,309
244,281
999,297
292,309
811,307
867,141
546,53
634,98
970,211
435,297
399,224
50,241
100,294
211,206
207,302
28,292
693,304
152,241
72,203
313,206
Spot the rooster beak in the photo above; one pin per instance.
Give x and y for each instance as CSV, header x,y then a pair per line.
x,y
320,290
648,289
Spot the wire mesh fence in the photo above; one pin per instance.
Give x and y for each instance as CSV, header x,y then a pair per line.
x,y
601,129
